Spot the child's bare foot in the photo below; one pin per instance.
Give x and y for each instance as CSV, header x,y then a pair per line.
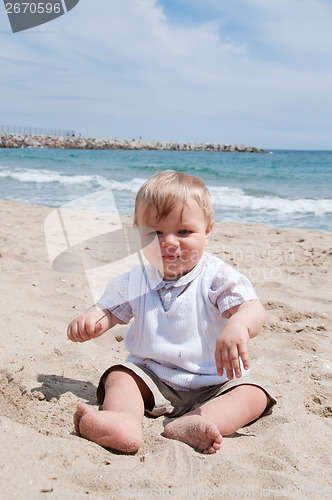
x,y
117,430
195,431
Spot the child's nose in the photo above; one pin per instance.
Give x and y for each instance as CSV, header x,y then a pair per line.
x,y
170,240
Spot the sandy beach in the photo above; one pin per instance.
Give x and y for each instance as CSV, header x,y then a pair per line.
x,y
43,375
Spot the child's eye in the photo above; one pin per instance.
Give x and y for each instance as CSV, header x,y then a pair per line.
x,y
149,235
184,232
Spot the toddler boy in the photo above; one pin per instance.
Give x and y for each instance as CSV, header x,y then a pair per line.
x,y
188,344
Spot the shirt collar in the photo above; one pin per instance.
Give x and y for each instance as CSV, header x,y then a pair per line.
x,y
156,281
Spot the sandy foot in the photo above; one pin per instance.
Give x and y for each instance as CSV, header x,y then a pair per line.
x,y
195,431
117,430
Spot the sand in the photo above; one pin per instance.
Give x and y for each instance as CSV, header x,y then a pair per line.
x,y
43,375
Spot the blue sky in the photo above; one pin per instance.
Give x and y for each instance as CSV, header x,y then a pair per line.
x,y
253,72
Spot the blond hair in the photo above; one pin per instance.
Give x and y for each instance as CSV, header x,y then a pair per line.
x,y
165,190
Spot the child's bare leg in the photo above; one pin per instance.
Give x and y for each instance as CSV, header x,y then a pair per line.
x,y
204,427
119,424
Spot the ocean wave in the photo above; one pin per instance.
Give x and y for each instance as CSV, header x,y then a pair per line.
x,y
223,197
43,176
226,198
131,186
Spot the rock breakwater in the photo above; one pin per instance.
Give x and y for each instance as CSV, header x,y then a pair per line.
x,y
63,142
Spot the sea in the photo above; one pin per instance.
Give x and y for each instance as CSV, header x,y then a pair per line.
x,y
279,189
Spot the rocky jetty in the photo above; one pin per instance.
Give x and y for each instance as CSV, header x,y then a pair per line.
x,y
63,142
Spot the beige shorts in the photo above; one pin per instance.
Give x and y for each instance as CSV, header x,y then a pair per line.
x,y
174,403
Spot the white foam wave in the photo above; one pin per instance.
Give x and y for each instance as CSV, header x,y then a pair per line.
x,y
131,186
45,176
224,197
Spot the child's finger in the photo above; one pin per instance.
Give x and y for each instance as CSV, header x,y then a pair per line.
x,y
70,333
73,332
243,352
236,364
219,362
98,327
229,370
85,329
232,363
227,363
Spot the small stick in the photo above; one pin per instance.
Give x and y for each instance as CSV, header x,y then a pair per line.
x,y
109,312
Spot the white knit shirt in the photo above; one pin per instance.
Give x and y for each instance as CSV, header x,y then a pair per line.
x,y
176,323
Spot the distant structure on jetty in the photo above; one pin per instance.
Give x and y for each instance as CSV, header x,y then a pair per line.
x,y
65,142
18,129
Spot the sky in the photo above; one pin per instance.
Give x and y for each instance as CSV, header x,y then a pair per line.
x,y
252,72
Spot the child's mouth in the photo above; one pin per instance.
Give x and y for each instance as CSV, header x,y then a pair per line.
x,y
170,257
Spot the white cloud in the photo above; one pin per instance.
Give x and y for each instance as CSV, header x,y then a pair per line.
x,y
124,69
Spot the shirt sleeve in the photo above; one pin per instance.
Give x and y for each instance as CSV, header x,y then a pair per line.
x,y
115,298
230,288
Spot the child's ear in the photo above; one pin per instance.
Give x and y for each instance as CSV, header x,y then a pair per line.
x,y
208,231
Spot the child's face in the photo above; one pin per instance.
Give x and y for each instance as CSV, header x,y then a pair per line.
x,y
175,244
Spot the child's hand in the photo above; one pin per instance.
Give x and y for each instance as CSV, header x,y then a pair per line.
x,y
245,322
89,325
232,344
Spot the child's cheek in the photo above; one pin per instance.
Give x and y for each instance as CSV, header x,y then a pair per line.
x,y
153,254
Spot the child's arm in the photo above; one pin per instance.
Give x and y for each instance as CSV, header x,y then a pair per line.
x,y
90,325
245,322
